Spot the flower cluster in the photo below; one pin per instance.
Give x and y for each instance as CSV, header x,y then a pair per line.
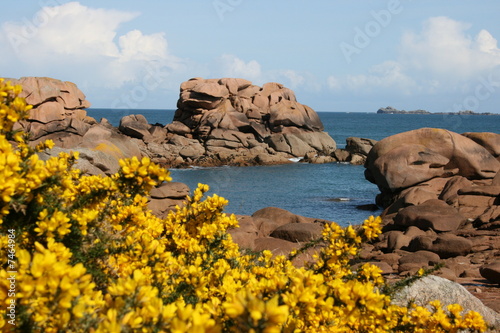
x,y
12,107
93,258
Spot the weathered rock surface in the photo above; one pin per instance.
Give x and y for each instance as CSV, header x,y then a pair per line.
x,y
440,191
436,180
218,122
430,288
446,245
432,214
490,141
58,110
166,196
356,150
409,158
298,232
240,123
491,271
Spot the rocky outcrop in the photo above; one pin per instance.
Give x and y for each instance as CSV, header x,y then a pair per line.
x,y
356,150
58,110
277,230
218,122
237,122
441,195
59,114
165,197
391,110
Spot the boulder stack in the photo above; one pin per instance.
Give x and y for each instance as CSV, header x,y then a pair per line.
x,y
235,120
441,195
58,110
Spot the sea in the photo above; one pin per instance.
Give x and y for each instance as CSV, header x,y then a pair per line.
x,y
332,191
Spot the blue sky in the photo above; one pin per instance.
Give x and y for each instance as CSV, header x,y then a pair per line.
x,y
336,55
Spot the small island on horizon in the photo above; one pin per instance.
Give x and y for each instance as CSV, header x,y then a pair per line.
x,y
391,110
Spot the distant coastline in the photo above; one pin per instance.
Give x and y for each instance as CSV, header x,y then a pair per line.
x,y
391,110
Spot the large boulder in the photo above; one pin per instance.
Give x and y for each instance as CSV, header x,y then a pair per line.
x,y
298,232
445,245
491,271
361,146
58,110
110,141
490,141
135,126
40,90
409,158
432,214
166,197
246,233
286,113
430,288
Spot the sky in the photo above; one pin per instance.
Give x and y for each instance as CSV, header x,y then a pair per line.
x,y
350,56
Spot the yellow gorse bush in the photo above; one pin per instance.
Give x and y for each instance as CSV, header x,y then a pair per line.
x,y
90,257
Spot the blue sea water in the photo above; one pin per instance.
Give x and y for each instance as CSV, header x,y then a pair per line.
x,y
329,191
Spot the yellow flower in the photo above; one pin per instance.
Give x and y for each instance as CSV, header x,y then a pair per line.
x,y
91,257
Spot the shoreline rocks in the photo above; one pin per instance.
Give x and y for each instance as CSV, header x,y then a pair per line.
x,y
463,275
441,195
440,189
218,122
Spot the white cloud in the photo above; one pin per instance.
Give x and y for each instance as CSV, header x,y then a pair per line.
x,y
441,58
69,29
134,45
229,65
232,66
444,49
294,78
83,41
334,83
487,43
386,76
